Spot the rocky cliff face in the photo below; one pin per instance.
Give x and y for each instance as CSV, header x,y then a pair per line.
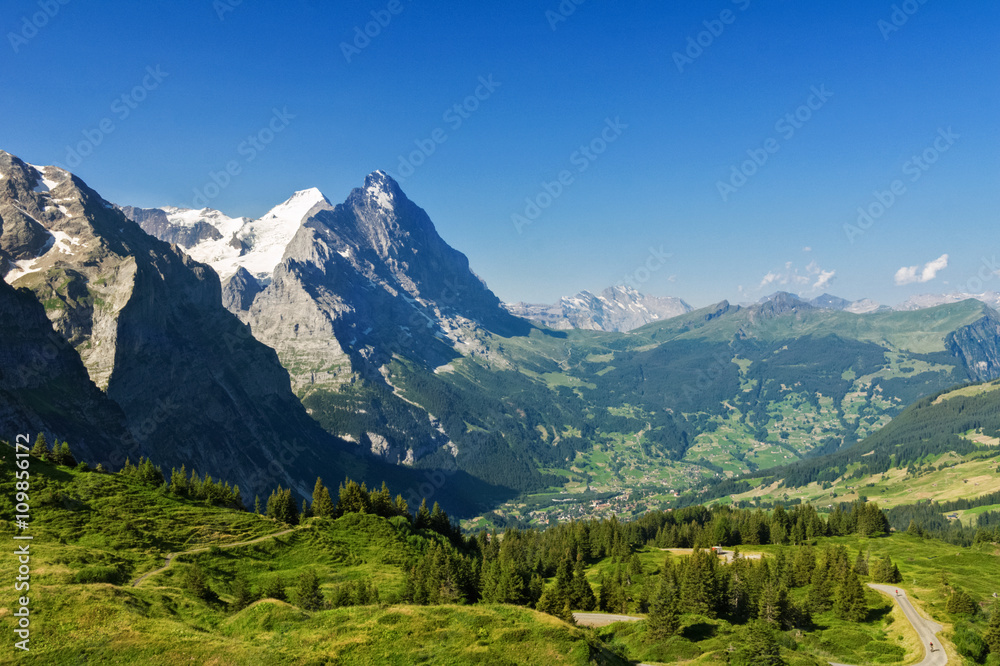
x,y
368,282
619,309
155,222
44,386
978,346
148,323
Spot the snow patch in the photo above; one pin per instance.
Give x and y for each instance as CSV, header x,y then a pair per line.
x,y
266,237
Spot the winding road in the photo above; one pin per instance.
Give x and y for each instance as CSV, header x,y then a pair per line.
x,y
926,629
201,549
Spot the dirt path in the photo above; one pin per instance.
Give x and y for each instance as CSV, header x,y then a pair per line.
x,y
171,556
926,629
602,619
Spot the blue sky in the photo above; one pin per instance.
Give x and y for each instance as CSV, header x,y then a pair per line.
x,y
641,137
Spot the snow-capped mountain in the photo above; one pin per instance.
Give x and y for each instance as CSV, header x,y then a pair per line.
x,y
921,301
230,243
620,308
863,306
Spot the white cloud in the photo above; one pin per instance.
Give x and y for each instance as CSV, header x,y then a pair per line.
x,y
807,249
824,279
925,273
812,278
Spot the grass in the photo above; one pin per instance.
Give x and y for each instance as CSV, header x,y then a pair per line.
x,y
115,528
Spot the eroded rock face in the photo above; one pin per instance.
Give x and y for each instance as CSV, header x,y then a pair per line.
x,y
155,222
366,282
978,345
38,370
195,386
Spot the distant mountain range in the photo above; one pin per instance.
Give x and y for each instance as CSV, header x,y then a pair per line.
x,y
620,309
326,339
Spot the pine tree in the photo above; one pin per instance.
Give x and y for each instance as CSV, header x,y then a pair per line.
x,y
773,604
256,504
850,603
582,595
353,498
66,456
758,647
242,592
992,635
960,603
861,564
41,448
274,588
381,501
308,594
423,518
322,503
196,582
664,617
305,513
439,521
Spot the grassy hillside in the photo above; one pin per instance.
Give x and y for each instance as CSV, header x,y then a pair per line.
x,y
95,534
943,448
102,591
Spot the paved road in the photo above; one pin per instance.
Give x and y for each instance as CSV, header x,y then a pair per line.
x,y
926,629
602,619
171,556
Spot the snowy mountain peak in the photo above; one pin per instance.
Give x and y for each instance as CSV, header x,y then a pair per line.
x,y
380,187
228,243
294,210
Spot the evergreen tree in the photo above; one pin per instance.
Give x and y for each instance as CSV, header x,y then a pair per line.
x,y
992,635
256,504
758,647
773,604
861,564
381,501
242,593
307,592
305,512
41,448
196,582
439,521
274,588
322,503
582,595
664,614
67,456
353,498
960,603
423,517
850,603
